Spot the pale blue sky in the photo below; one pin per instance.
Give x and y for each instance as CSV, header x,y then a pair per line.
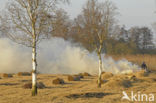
x,y
132,12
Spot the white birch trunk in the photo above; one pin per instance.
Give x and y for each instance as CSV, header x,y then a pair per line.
x,y
34,66
100,67
34,62
100,70
100,64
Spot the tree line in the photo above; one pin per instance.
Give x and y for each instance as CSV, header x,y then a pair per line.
x,y
119,40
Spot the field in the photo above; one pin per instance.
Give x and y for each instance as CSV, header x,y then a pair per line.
x,y
83,91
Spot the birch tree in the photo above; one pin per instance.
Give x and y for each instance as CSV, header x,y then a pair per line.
x,y
27,22
94,24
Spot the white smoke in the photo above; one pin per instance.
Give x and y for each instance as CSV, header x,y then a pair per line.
x,y
57,56
13,58
121,66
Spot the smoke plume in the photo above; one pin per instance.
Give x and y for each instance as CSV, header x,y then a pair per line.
x,y
57,56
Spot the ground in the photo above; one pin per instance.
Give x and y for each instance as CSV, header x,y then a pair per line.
x,y
84,91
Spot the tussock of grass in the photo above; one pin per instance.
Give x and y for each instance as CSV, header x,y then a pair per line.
x,y
86,74
73,78
58,81
118,83
106,75
40,85
24,74
7,75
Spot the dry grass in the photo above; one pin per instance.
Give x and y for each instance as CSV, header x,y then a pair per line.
x,y
150,60
84,91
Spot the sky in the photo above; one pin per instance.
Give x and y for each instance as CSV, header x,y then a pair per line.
x,y
132,12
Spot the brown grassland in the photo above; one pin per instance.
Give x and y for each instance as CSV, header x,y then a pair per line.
x,y
85,90
150,60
